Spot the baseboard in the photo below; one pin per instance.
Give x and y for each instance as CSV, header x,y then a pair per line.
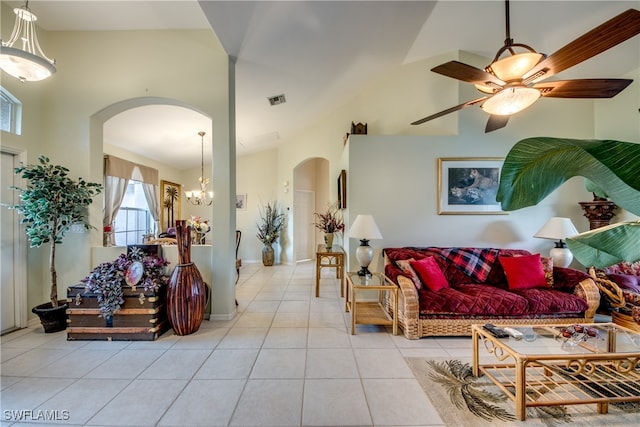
x,y
223,317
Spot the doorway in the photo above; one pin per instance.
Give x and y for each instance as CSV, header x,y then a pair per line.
x,y
311,192
13,312
303,210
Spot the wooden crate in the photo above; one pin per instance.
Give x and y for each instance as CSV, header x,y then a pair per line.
x,y
143,316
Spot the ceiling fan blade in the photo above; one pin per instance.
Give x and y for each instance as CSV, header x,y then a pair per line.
x,y
496,122
450,110
603,37
583,88
468,73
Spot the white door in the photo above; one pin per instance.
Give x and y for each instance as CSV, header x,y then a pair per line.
x,y
9,313
304,207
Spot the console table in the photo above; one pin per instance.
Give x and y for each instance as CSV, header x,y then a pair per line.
x,y
332,257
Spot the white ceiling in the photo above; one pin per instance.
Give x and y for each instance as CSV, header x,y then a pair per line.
x,y
320,53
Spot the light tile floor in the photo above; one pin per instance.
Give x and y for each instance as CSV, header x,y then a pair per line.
x,y
286,359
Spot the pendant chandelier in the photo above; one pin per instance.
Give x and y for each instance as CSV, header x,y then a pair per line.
x,y
202,196
28,64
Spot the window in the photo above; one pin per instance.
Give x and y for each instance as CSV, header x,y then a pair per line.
x,y
134,219
11,112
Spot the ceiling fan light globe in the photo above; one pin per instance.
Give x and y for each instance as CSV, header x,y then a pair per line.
x,y
485,89
515,66
510,100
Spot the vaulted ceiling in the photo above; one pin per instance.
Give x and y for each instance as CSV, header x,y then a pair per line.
x,y
320,53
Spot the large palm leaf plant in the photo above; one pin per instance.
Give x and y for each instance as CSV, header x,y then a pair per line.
x,y
535,167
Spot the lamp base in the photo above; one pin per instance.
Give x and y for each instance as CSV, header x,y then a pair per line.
x,y
364,255
364,271
562,257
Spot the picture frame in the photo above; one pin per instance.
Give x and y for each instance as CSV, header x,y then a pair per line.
x,y
469,185
241,202
342,189
170,204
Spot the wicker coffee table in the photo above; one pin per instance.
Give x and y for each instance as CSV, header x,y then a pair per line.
x,y
562,364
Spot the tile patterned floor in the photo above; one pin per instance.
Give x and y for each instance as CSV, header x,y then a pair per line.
x,y
286,359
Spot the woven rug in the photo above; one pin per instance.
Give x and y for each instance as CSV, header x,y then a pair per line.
x,y
464,400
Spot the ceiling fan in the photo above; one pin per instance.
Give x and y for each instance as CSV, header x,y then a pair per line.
x,y
513,83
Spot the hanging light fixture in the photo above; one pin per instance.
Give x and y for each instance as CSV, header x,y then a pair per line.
x,y
28,64
201,196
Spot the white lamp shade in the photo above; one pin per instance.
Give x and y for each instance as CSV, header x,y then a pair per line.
x,y
557,228
364,227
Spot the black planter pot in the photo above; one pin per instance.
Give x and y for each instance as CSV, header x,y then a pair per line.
x,y
53,319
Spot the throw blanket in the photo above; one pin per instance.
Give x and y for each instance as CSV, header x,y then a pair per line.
x,y
474,262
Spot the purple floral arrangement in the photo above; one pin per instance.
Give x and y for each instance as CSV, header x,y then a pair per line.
x,y
108,278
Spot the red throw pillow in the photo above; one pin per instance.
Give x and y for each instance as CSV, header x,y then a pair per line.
x,y
430,274
405,266
524,272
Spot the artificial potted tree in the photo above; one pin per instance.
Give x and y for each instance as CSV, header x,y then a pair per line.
x,y
50,204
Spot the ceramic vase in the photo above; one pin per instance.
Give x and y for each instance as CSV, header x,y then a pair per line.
x,y
187,292
268,255
328,240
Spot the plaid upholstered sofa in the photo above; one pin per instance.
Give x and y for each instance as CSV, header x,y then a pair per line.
x,y
443,291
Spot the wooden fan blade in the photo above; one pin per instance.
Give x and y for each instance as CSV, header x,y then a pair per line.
x,y
592,43
496,122
450,110
468,73
583,88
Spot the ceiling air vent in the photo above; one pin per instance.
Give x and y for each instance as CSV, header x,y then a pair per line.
x,y
276,100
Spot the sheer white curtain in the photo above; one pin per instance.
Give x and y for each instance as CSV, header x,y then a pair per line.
x,y
153,200
114,191
118,172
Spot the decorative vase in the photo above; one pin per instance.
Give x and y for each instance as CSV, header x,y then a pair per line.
x,y
328,240
197,238
187,292
268,255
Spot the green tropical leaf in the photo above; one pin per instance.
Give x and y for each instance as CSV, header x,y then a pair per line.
x,y
608,245
535,167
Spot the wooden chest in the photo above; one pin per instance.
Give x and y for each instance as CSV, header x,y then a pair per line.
x,y
143,316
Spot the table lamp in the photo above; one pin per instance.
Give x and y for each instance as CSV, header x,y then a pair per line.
x,y
558,229
365,229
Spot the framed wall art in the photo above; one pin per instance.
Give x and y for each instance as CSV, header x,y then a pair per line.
x,y
170,197
342,189
241,202
468,185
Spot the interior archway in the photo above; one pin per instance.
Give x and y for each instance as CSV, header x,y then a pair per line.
x,y
161,129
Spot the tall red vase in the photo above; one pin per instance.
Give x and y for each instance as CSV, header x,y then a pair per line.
x,y
187,292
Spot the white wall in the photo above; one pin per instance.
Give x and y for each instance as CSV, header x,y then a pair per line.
x,y
257,177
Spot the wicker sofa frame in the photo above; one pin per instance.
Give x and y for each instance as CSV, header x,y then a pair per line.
x,y
414,327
